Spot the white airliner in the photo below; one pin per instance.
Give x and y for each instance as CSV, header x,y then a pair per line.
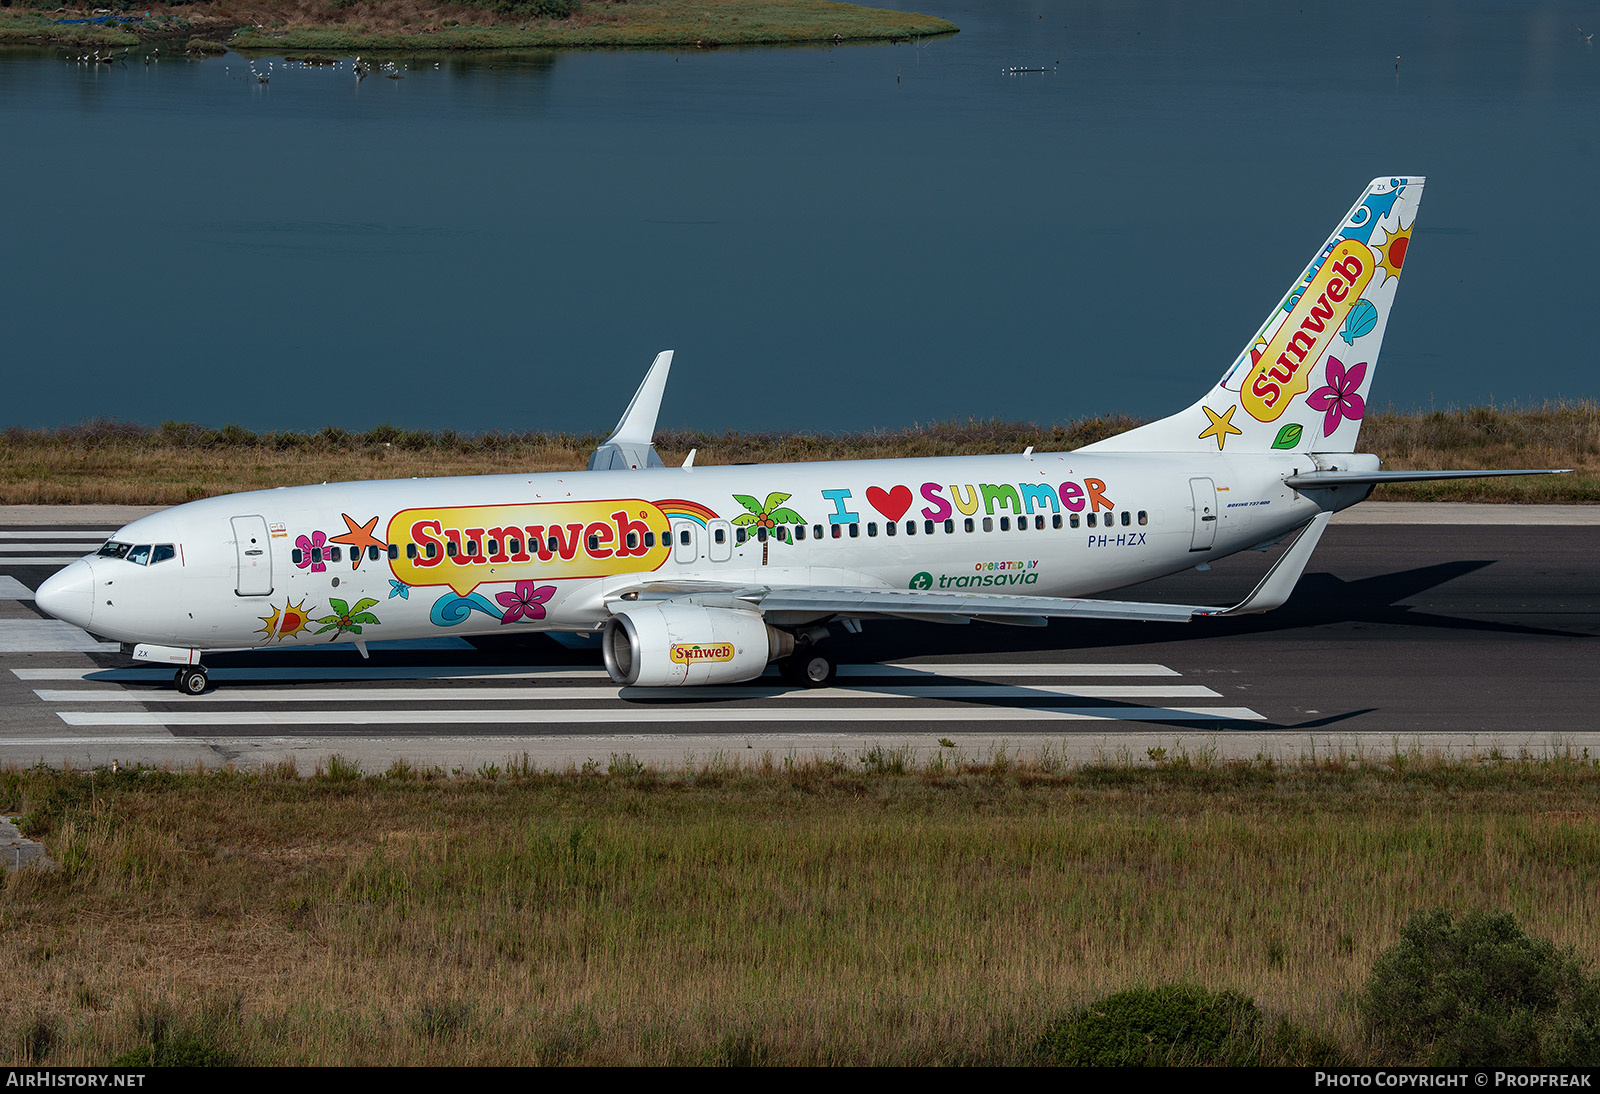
x,y
698,575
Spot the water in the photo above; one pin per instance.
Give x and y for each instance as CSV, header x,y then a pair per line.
x,y
831,239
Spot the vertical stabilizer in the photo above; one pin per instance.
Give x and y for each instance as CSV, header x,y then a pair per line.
x,y
1301,383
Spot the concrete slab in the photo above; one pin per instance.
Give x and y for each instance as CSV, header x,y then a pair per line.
x,y
47,636
12,589
1450,512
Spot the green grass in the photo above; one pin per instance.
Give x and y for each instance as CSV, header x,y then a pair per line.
x,y
22,27
788,910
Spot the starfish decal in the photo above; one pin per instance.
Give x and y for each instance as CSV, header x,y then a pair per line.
x,y
359,538
1221,425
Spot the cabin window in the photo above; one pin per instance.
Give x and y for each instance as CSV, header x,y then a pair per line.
x,y
800,532
949,527
335,554
988,524
113,549
927,527
594,544
162,552
650,539
494,547
1038,523
316,555
1144,517
720,535
855,531
450,550
632,540
911,527
1091,520
296,557
432,551
970,526
838,530
393,550
374,552
411,552
816,531
1073,520
1055,521
1127,518
1005,524
513,545
890,528
683,536
740,535
472,549
761,535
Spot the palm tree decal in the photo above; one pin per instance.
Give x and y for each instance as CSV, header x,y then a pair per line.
x,y
766,516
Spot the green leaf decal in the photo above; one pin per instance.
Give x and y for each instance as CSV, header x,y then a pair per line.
x,y
1288,436
748,502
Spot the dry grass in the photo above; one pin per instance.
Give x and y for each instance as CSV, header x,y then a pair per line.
x,y
838,909
118,463
412,25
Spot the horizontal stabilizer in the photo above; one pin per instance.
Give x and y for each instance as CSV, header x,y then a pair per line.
x,y
1313,479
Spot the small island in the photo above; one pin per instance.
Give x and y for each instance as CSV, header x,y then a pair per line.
x,y
415,25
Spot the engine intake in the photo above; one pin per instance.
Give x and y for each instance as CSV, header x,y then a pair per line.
x,y
665,645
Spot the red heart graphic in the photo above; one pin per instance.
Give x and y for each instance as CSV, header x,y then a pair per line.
x,y
891,503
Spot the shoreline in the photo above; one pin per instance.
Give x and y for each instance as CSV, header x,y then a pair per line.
x,y
651,24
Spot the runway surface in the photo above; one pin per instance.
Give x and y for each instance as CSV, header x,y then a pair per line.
x,y
1459,637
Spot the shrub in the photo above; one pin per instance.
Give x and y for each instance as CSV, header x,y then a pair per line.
x,y
1480,993
1177,1024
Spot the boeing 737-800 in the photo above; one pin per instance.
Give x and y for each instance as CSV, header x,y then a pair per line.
x,y
703,575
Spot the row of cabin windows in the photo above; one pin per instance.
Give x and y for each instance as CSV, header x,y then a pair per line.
x,y
514,545
968,524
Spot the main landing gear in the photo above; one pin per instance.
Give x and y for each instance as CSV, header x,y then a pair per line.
x,y
192,680
810,666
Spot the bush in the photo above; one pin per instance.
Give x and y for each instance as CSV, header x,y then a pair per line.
x,y
1480,993
1177,1024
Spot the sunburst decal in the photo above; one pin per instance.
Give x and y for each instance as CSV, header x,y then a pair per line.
x,y
1393,250
286,622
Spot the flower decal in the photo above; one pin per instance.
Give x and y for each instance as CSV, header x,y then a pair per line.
x,y
346,617
524,602
317,542
1338,400
399,588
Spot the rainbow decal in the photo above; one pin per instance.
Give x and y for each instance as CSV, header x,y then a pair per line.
x,y
678,508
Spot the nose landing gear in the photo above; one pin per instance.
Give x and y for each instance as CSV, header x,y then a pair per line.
x,y
191,681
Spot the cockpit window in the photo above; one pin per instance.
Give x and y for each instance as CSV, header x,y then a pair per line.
x,y
113,549
162,552
139,555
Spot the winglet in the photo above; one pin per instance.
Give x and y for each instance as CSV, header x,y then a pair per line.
x,y
629,445
1280,581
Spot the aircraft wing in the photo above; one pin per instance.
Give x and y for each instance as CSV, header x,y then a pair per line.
x,y
819,601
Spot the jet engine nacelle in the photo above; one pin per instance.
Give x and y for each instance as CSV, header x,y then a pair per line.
x,y
664,645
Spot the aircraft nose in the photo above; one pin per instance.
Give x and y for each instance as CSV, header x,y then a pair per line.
x,y
69,594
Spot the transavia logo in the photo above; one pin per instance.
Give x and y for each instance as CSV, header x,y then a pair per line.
x,y
986,575
688,653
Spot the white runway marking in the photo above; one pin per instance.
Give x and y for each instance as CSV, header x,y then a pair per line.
x,y
567,695
745,714
7,560
17,548
88,535
330,673
46,636
12,589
